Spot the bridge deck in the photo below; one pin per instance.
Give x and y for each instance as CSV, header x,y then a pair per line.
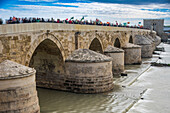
x,y
29,27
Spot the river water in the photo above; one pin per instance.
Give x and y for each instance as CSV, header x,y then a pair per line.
x,y
157,80
152,86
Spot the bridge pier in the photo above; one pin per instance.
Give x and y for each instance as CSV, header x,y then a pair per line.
x,y
117,56
132,54
146,46
88,72
156,39
17,89
152,41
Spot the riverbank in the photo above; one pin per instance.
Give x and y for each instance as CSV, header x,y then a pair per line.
x,y
157,97
156,79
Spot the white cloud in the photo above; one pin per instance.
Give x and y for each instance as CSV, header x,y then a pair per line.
x,y
3,10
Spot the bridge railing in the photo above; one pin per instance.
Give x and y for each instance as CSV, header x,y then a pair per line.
x,y
29,27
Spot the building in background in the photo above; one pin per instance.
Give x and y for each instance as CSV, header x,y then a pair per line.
x,y
156,25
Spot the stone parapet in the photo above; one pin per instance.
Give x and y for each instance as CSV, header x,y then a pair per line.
x,y
33,27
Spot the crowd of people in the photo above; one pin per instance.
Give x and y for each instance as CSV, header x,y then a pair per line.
x,y
15,20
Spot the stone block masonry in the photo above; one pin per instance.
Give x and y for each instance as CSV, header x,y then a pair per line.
x,y
18,42
89,77
88,72
146,46
17,89
46,46
132,54
117,56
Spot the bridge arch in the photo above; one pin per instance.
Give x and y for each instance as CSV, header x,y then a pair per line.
x,y
131,39
48,60
38,41
96,45
117,43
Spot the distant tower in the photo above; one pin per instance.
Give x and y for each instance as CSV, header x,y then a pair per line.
x,y
158,25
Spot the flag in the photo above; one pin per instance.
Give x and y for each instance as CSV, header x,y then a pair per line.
x,y
116,23
82,18
71,18
124,24
128,22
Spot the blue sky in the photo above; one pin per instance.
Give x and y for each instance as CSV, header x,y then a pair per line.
x,y
106,10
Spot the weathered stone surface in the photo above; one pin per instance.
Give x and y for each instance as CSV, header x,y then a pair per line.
x,y
29,27
111,49
157,39
18,42
156,25
132,54
142,40
10,70
17,89
130,45
48,62
86,55
117,56
91,75
153,41
146,45
45,46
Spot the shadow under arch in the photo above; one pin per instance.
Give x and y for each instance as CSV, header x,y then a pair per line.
x,y
117,43
48,61
96,46
38,41
131,39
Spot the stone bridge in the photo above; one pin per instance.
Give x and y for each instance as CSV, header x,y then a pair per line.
x,y
46,47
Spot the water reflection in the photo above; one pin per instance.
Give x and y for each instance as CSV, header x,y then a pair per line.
x,y
118,100
66,102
